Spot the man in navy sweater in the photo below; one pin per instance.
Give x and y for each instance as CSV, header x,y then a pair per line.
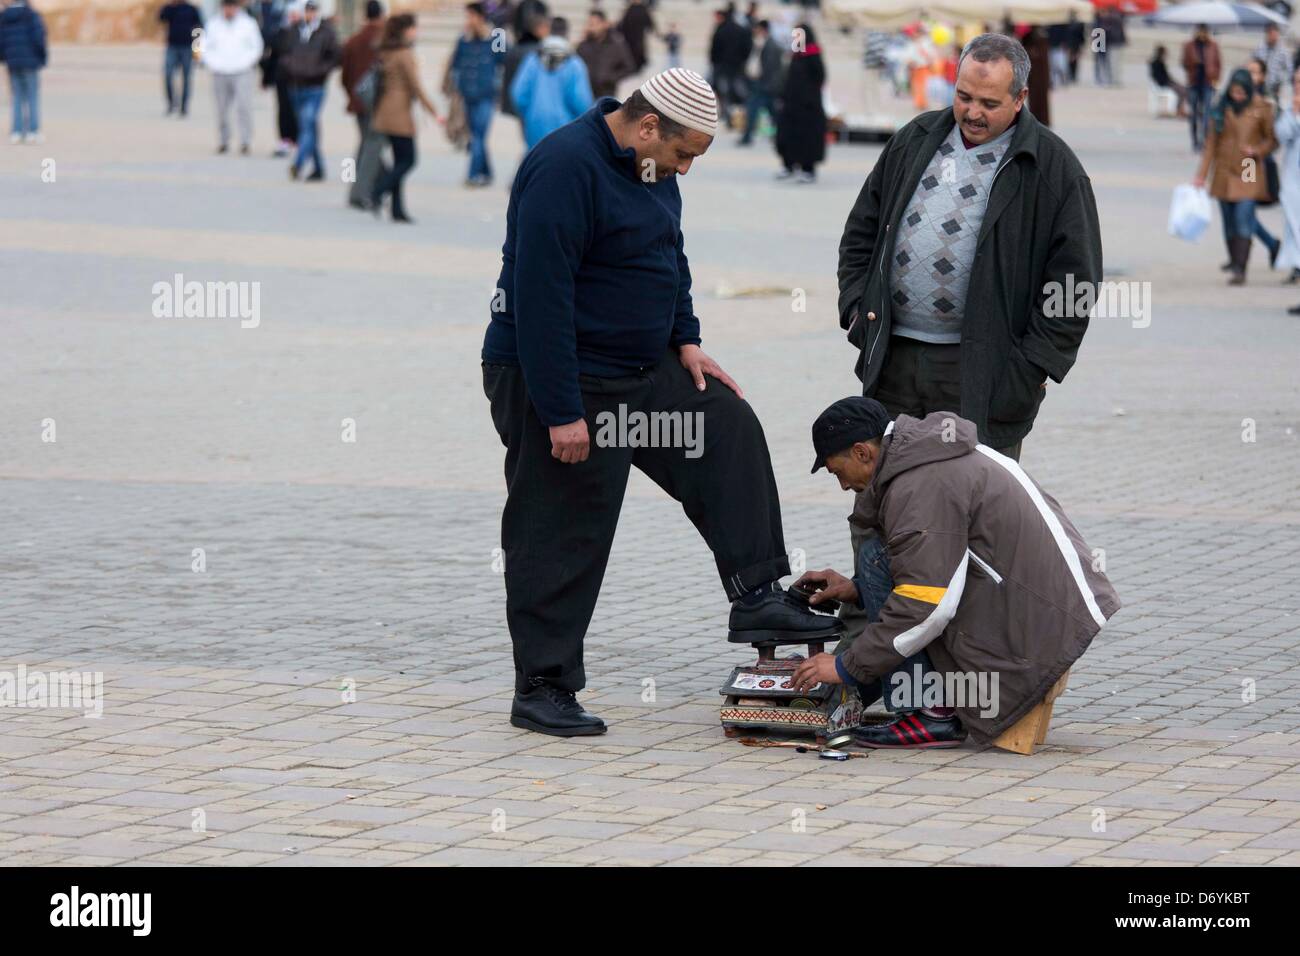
x,y
593,333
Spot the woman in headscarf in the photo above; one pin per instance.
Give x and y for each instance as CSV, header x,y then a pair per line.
x,y
1240,136
801,127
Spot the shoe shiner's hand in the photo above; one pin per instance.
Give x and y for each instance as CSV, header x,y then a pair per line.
x,y
818,669
700,365
570,443
829,584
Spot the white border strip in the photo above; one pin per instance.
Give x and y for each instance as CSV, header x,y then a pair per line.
x,y
917,637
988,569
1053,525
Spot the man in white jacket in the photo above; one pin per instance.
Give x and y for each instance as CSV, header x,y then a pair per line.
x,y
230,48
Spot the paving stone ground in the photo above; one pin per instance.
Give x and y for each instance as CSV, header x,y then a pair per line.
x,y
364,570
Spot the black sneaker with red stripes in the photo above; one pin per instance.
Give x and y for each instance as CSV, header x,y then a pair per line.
x,y
918,731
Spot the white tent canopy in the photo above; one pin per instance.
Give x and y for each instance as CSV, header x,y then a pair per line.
x,y
886,14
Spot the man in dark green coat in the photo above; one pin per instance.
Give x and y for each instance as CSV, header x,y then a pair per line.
x,y
970,260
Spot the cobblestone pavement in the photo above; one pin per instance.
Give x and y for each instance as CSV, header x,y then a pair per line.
x,y
364,570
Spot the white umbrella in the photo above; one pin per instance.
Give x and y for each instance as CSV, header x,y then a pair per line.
x,y
1216,14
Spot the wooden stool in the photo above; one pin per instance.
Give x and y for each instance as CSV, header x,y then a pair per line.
x,y
1031,730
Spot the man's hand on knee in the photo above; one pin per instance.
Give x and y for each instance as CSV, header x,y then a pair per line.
x,y
699,365
570,443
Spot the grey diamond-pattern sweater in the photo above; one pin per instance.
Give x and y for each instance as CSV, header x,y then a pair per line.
x,y
936,238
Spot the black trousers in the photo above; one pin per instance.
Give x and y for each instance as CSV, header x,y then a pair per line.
x,y
920,378
391,179
559,520
286,118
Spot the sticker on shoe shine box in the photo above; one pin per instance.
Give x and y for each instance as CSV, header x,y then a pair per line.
x,y
752,681
759,682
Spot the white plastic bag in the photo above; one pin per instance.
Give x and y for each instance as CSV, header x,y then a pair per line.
x,y
1189,213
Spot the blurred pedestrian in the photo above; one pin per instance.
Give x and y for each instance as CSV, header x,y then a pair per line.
x,y
635,25
311,54
766,86
525,14
1158,70
1074,45
1287,130
24,51
1103,26
183,24
1058,45
1258,71
355,62
1239,137
271,17
729,51
400,91
231,46
673,46
1040,74
533,32
551,87
605,52
274,74
475,63
1272,52
1202,63
801,125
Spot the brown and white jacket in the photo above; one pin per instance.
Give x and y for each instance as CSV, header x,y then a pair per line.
x,y
990,576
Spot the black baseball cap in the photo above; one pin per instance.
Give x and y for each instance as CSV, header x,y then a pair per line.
x,y
847,422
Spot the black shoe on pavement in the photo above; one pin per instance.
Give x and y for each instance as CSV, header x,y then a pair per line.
x,y
223,148
1294,310
546,709
918,731
316,177
778,616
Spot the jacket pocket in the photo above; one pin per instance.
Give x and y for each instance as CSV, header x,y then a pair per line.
x,y
985,567
1019,390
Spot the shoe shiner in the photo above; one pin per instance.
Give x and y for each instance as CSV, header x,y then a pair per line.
x,y
592,365
980,591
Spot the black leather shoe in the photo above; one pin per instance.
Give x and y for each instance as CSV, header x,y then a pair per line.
x,y
917,731
548,710
778,616
1293,310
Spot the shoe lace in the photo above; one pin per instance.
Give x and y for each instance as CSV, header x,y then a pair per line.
x,y
563,699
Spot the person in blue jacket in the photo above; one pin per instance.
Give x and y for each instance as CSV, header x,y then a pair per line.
x,y
479,54
23,50
551,87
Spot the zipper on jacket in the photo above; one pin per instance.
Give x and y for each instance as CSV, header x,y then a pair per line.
x,y
883,292
987,568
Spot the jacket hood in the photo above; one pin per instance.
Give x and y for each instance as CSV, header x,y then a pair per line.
x,y
553,51
911,442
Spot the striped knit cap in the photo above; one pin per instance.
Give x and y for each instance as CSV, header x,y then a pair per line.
x,y
683,96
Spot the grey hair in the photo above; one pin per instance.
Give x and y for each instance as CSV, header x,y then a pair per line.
x,y
988,47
